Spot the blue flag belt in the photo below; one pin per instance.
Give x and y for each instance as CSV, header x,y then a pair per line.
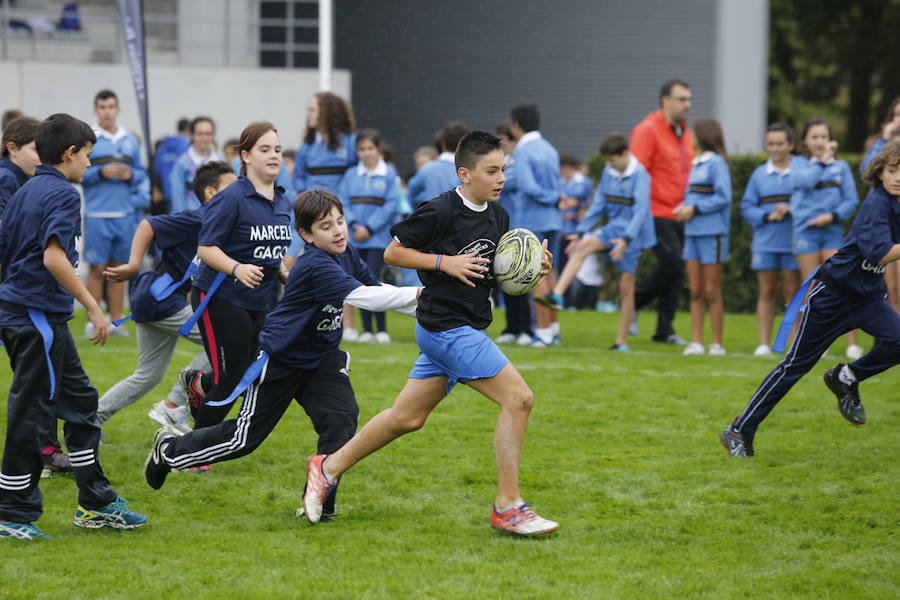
x,y
185,329
39,319
790,315
163,286
247,379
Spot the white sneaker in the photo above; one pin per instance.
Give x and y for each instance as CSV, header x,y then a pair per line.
x,y
367,337
119,331
524,339
382,337
506,338
762,350
89,330
716,350
350,335
537,342
174,420
693,349
855,352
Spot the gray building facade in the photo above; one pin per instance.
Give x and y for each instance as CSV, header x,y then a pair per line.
x,y
591,66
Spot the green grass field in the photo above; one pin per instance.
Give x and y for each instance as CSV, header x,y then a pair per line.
x,y
622,450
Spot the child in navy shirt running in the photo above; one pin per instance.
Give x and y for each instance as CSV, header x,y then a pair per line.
x,y
158,315
706,213
300,358
624,197
451,240
244,236
38,251
848,294
766,207
19,157
369,192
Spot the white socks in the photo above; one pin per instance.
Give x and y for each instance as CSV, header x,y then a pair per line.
x,y
846,376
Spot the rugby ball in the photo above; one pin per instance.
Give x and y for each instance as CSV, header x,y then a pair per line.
x,y
517,261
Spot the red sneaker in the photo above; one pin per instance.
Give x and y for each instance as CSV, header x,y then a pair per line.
x,y
521,520
317,488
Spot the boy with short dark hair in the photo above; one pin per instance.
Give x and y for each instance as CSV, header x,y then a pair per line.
x,y
849,294
623,196
159,306
300,359
38,251
451,241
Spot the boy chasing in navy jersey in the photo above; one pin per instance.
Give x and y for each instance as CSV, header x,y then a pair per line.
x,y
451,241
159,314
849,293
38,251
300,358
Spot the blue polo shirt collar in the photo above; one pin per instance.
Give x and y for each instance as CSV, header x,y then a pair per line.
x,y
49,170
250,192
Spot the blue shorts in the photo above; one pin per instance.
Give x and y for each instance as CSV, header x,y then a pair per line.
x,y
552,238
608,233
814,239
772,261
708,249
462,354
108,240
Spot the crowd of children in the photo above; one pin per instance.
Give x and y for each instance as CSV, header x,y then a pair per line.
x,y
274,259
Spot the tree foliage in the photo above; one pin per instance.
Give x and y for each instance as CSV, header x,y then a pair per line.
x,y
835,59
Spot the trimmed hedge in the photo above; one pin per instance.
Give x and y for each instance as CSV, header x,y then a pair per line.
x,y
738,280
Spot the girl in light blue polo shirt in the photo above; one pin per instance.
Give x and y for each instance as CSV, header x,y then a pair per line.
x,y
824,197
706,213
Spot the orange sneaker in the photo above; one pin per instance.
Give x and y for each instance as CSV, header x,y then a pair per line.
x,y
521,520
317,488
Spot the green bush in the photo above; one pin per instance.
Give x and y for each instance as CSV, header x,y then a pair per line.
x,y
738,281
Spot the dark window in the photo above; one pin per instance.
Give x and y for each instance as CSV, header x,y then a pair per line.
x,y
306,35
306,10
308,60
272,10
272,58
288,33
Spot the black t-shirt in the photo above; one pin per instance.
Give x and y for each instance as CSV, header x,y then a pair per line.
x,y
445,225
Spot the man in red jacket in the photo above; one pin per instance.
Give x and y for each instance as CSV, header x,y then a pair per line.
x,y
664,145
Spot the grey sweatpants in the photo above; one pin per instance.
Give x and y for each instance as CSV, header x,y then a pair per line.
x,y
156,344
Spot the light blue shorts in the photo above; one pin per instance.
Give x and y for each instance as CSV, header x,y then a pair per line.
x,y
607,234
462,354
708,249
773,261
108,240
814,239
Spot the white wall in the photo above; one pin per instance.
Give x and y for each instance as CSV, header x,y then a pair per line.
x,y
742,66
217,32
233,97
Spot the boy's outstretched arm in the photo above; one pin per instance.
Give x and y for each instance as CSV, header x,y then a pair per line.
x,y
56,261
462,266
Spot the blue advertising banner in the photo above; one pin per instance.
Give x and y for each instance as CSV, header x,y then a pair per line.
x,y
132,15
